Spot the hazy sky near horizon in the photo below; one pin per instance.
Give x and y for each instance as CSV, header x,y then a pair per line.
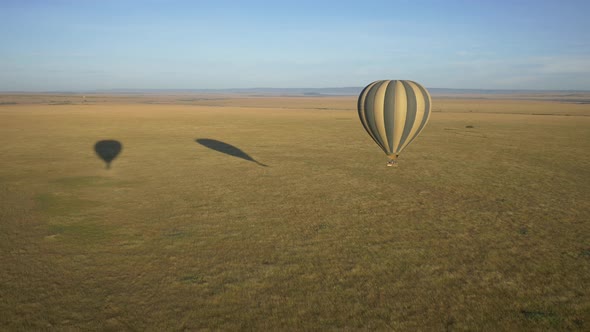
x,y
77,45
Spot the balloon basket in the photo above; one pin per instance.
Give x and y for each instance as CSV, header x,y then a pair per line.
x,y
392,163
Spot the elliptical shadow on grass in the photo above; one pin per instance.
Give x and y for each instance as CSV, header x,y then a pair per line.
x,y
108,150
227,149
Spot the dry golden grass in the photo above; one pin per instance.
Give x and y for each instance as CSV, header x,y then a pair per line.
x,y
508,106
482,228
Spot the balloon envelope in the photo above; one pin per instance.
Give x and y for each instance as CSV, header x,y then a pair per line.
x,y
394,112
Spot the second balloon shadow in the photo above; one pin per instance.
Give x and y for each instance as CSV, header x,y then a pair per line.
x,y
226,148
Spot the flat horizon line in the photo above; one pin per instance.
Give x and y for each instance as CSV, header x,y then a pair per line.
x,y
346,90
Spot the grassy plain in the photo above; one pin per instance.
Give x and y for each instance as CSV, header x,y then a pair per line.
x,y
480,228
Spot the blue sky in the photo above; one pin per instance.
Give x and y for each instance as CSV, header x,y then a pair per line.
x,y
84,45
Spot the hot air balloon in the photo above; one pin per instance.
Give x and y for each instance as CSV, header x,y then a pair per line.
x,y
394,112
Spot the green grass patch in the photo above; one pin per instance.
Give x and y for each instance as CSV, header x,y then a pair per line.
x,y
80,232
84,181
192,279
64,204
551,318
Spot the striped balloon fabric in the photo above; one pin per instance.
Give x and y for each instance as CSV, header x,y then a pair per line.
x,y
394,113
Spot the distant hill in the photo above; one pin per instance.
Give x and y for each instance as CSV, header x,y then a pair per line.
x,y
340,91
336,91
345,91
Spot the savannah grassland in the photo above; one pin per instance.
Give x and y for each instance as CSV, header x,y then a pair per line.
x,y
485,225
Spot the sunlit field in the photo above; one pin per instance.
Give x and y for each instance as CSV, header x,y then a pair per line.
x,y
279,213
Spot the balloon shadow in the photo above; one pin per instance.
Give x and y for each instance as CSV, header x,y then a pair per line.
x,y
227,149
108,150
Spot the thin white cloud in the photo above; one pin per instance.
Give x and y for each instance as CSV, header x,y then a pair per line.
x,y
562,65
544,72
